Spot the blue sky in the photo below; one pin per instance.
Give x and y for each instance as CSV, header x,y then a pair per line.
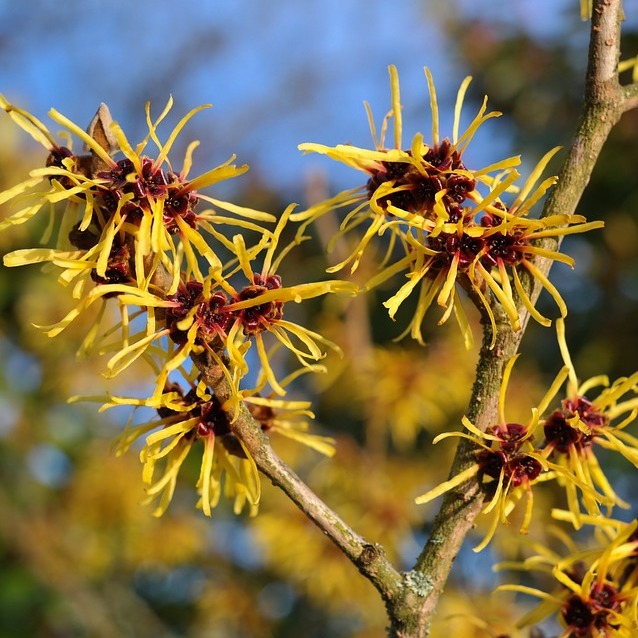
x,y
277,73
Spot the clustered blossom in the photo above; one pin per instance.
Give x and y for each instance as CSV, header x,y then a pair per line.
x,y
443,233
596,592
121,216
512,458
507,464
134,231
225,321
186,420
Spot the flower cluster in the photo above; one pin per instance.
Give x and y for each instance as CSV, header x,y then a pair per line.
x,y
131,230
580,425
512,458
596,591
184,419
507,464
443,233
196,418
224,320
121,219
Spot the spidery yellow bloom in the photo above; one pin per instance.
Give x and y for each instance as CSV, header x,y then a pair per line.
x,y
130,222
187,421
286,417
484,250
597,590
131,230
573,431
507,464
227,319
424,185
442,233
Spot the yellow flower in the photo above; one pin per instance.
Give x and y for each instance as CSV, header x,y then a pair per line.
x,y
130,222
423,186
67,176
227,319
257,309
286,417
186,420
597,592
195,418
573,431
443,234
510,242
482,250
507,464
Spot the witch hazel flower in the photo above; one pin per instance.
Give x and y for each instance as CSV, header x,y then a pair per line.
x,y
422,186
484,250
226,314
596,589
130,222
186,421
507,465
511,459
446,226
581,425
193,422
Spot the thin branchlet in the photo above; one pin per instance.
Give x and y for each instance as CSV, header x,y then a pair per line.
x,y
603,106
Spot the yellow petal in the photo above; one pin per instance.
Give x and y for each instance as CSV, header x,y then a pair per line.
x,y
446,486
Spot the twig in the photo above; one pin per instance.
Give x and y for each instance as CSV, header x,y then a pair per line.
x,y
604,103
369,558
412,597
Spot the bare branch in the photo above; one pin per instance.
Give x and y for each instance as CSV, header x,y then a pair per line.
x,y
630,94
368,558
603,107
411,598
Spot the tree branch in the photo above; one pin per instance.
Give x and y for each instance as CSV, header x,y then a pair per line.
x,y
369,558
630,94
603,106
411,598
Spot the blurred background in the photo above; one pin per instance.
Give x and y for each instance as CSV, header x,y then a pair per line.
x,y
78,555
